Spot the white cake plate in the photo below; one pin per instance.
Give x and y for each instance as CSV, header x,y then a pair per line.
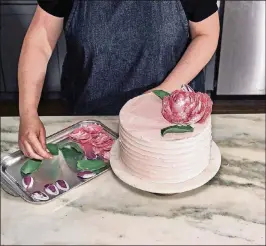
x,y
123,173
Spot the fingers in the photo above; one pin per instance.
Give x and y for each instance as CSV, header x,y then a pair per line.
x,y
149,91
23,149
32,138
37,147
33,147
42,138
30,152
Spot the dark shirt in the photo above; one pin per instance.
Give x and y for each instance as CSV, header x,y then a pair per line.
x,y
117,50
196,10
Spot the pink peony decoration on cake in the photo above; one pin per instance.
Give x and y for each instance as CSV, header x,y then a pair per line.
x,y
184,107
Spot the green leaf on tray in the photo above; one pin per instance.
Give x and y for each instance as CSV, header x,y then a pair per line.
x,y
30,166
101,169
61,145
161,93
75,146
90,165
72,156
53,148
177,129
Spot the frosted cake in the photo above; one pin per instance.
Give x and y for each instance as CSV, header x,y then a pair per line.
x,y
166,138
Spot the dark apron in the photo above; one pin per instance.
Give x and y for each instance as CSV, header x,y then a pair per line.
x,y
117,50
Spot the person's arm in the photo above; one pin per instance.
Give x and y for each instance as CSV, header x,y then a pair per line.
x,y
205,35
37,48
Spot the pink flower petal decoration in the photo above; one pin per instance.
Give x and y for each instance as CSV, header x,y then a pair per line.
x,y
85,174
51,189
186,107
27,182
89,152
39,196
94,140
62,185
93,128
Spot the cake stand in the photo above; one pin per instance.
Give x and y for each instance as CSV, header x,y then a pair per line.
x,y
123,173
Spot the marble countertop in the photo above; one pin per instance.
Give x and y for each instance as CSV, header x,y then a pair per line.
x,y
229,210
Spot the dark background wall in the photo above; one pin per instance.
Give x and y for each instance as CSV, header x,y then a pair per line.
x,y
15,20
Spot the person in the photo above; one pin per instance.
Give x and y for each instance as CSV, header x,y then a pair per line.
x,y
115,50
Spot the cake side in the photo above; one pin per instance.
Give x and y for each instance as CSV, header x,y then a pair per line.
x,y
179,161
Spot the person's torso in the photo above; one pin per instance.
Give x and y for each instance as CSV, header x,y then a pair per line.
x,y
120,49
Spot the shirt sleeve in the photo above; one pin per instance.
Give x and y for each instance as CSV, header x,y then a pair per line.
x,y
58,8
198,10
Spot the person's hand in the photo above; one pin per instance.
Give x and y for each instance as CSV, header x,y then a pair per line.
x,y
154,89
167,86
163,88
32,138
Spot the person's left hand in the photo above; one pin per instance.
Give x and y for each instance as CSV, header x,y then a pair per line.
x,y
154,89
165,86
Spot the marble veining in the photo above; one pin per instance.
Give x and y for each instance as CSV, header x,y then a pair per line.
x,y
229,210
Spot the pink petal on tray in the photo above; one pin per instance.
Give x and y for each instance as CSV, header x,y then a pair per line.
x,y
39,196
27,182
89,152
51,189
79,134
106,155
62,185
85,174
93,128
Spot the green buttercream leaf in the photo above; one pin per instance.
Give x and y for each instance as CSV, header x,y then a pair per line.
x,y
30,166
72,145
61,145
76,147
72,156
177,129
53,148
101,169
161,93
90,165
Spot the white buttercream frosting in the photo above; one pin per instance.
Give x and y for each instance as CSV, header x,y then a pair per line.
x,y
174,158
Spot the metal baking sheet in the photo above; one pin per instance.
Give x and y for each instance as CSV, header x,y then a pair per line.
x,y
11,179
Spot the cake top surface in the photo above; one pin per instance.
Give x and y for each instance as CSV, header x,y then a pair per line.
x,y
142,118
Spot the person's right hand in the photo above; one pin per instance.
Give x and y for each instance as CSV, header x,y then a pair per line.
x,y
32,138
